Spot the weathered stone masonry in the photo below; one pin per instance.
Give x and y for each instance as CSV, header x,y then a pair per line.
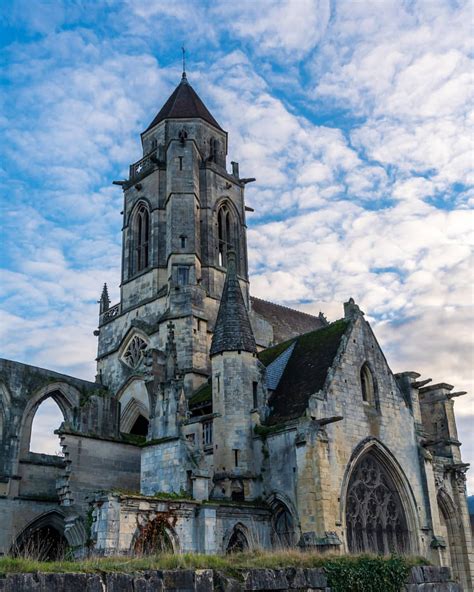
x,y
218,421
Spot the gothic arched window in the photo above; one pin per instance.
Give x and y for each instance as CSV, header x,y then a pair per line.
x,y
283,527
140,239
226,234
367,385
238,541
375,518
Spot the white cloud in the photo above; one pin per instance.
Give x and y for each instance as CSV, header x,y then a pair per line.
x,y
347,199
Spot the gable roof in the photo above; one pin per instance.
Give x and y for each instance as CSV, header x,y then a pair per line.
x,y
184,103
305,371
286,322
232,331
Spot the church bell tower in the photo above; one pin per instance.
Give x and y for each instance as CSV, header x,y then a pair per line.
x,y
183,213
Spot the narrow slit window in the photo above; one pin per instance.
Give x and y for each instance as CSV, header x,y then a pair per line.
x,y
255,394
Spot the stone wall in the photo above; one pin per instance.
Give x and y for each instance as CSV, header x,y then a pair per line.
x,y
421,579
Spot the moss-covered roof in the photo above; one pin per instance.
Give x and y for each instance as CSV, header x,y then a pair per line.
x,y
202,395
269,355
306,370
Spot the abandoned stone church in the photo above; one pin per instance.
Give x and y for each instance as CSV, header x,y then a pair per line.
x,y
219,421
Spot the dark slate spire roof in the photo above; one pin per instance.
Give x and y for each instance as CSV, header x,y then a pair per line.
x,y
232,331
184,103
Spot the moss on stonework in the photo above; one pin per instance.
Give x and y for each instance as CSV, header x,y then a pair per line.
x,y
133,439
202,395
173,495
264,431
267,356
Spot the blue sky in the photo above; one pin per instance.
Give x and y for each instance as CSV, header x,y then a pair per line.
x,y
355,118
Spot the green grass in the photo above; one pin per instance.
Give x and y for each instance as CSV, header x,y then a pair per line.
x,y
226,563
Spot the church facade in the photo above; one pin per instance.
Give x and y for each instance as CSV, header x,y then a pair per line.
x,y
219,421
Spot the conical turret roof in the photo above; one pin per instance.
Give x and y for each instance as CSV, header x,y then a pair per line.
x,y
232,331
184,103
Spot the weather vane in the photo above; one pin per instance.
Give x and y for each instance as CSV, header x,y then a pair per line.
x,y
184,61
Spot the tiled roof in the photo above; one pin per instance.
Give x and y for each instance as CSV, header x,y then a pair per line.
x,y
286,322
232,331
184,103
305,371
276,368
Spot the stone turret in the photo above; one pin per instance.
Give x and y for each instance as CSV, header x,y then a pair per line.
x,y
235,380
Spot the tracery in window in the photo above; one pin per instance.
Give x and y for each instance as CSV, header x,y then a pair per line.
x,y
140,239
367,385
135,351
375,518
226,234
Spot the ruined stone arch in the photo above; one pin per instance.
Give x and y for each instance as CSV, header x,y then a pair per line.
x,y
284,523
43,538
450,524
377,503
155,535
134,403
64,395
237,538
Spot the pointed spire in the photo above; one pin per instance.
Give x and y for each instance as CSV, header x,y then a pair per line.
x,y
104,301
184,103
232,331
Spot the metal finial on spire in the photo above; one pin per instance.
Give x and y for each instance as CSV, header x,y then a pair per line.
x,y
184,62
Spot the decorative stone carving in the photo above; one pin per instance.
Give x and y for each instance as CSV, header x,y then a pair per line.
x,y
135,351
375,517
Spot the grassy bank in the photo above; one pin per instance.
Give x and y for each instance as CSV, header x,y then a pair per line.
x,y
226,563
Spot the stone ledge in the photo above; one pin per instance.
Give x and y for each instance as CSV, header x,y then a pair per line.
x,y
421,579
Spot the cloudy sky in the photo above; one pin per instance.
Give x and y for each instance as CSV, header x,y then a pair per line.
x,y
354,116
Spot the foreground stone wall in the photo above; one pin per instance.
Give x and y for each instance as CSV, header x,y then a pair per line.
x,y
421,579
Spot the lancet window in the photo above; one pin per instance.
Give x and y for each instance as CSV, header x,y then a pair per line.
x,y
140,239
238,541
283,527
375,518
367,385
226,234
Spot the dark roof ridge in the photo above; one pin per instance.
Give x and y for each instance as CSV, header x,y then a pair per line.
x,y
287,308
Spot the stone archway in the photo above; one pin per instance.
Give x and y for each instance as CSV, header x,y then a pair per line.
x,y
375,516
154,537
237,540
43,539
65,396
450,529
284,524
